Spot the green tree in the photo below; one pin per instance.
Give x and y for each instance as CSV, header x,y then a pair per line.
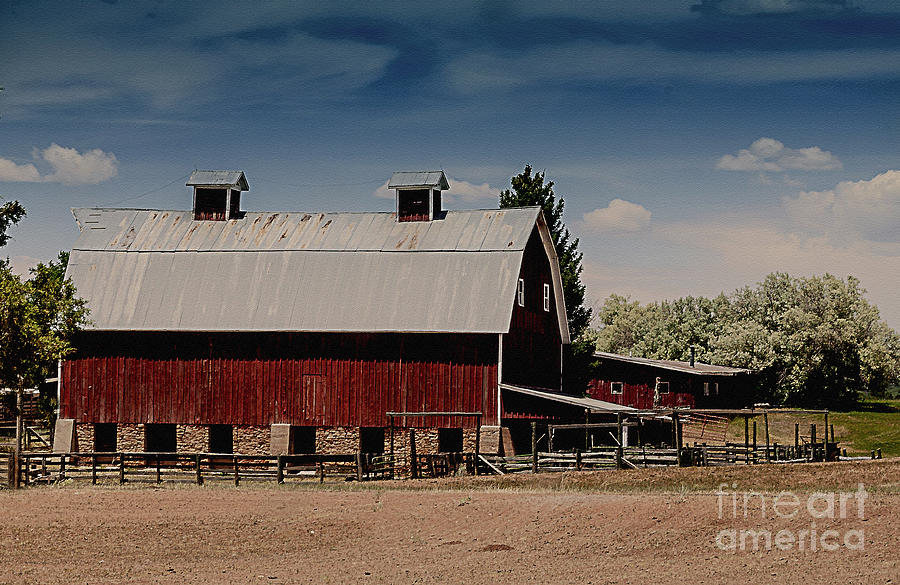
x,y
814,341
38,318
10,214
530,189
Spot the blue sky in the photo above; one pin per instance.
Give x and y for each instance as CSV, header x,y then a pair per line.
x,y
698,144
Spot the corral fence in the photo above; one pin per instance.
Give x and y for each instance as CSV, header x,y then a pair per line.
x,y
198,468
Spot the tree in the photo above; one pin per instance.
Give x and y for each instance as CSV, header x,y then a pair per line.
x,y
38,318
815,342
10,214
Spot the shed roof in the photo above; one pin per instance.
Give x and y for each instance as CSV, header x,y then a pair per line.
x,y
223,178
401,180
352,272
591,404
676,366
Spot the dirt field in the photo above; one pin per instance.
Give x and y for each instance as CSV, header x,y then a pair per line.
x,y
610,527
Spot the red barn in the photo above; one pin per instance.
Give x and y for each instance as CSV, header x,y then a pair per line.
x,y
647,383
224,330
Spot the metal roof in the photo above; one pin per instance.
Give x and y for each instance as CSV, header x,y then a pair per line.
x,y
590,403
676,366
354,272
223,178
405,180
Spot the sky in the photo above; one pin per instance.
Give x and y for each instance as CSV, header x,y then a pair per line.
x,y
699,145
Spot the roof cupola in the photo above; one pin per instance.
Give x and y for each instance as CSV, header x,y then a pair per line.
x,y
418,194
217,194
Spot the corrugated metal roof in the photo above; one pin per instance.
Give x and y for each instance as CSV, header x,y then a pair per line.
x,y
590,403
402,180
223,178
354,272
676,366
160,230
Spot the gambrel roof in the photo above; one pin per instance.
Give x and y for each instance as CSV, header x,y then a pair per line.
x,y
153,270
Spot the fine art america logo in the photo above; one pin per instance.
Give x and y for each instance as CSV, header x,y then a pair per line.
x,y
820,507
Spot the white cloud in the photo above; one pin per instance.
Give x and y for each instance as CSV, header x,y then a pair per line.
x,y
584,61
69,167
461,192
10,171
869,208
768,154
618,216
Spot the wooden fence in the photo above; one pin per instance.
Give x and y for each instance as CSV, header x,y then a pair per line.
x,y
132,467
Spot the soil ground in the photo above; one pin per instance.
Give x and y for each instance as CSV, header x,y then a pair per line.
x,y
645,526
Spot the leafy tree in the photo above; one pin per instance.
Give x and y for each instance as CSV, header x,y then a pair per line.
x,y
38,318
530,189
10,214
815,341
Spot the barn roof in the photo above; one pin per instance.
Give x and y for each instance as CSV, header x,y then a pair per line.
x,y
405,179
355,272
223,178
676,366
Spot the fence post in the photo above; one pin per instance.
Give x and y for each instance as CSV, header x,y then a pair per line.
x,y
754,442
279,466
392,446
747,437
93,469
198,472
812,442
121,468
534,453
619,453
27,469
237,476
478,442
578,460
359,466
766,419
158,469
413,459
62,467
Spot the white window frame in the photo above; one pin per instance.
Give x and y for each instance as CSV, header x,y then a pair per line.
x,y
546,297
520,292
706,388
612,388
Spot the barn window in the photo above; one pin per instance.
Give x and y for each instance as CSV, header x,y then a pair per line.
x,y
371,439
104,437
715,387
450,440
617,387
546,297
221,439
303,440
662,387
160,438
520,293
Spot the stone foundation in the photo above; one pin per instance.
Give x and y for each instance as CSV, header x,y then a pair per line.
x,y
130,437
84,438
337,440
251,440
192,438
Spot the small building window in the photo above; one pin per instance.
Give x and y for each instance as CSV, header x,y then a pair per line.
x,y
221,439
662,387
371,439
706,388
450,440
617,387
715,388
104,437
160,438
520,293
546,297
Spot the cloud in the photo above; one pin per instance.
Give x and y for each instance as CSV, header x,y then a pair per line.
x,y
748,7
461,192
10,171
618,216
868,208
585,62
768,154
69,167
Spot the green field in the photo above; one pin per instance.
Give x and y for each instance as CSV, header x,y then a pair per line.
x,y
874,425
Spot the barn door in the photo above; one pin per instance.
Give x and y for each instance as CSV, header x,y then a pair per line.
x,y
313,391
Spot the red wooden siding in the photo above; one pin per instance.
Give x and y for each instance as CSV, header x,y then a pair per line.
x,y
531,349
639,381
321,379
